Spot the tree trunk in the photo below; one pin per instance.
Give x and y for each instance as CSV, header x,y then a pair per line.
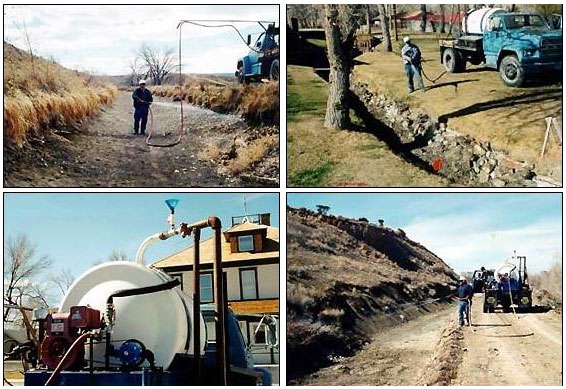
x,y
442,18
385,28
368,19
394,17
423,17
337,110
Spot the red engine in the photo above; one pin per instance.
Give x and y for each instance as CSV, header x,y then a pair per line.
x,y
61,331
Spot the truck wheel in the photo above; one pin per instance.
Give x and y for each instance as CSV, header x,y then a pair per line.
x,y
511,71
453,61
274,70
241,76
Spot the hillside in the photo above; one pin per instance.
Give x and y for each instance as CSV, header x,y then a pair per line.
x,y
344,278
40,95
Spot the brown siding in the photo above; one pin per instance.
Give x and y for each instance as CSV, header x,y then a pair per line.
x,y
233,244
258,243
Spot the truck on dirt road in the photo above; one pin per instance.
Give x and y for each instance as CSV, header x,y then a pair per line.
x,y
511,287
262,62
519,45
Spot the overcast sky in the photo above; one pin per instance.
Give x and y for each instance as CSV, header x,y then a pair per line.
x,y
104,38
465,230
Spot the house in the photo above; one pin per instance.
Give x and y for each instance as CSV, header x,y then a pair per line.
x,y
412,21
250,260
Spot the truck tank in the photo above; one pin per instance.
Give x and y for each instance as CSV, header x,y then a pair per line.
x,y
162,321
475,22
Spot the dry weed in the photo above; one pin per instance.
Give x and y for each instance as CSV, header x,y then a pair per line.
x,y
46,95
254,152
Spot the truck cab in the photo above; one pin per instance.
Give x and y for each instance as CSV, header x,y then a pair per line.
x,y
262,60
521,44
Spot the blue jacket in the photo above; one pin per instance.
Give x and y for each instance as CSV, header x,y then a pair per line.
x,y
465,291
144,95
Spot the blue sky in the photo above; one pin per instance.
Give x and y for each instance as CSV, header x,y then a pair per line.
x,y
75,230
103,38
466,230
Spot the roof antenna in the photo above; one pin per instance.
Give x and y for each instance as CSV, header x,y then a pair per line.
x,y
245,219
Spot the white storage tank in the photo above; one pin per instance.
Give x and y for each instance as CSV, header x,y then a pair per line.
x,y
475,22
162,321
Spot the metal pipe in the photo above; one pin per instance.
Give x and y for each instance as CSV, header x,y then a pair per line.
x,y
152,239
196,303
221,349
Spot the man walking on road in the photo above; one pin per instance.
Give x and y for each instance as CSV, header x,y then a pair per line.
x,y
411,55
465,294
142,99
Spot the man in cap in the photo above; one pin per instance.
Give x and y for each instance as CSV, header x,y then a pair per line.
x,y
411,55
465,294
142,99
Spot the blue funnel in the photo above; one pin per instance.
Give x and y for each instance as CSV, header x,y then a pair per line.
x,y
172,203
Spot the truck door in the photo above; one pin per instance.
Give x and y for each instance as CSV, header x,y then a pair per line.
x,y
255,56
492,40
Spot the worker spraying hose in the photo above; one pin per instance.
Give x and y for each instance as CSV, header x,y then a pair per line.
x,y
142,101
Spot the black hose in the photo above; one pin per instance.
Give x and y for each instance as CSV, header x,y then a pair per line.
x,y
143,290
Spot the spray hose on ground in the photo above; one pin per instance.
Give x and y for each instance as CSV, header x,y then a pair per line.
x,y
199,23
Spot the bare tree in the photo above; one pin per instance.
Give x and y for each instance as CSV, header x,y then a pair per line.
x,y
394,19
423,17
137,71
385,28
159,63
115,255
21,266
63,280
368,18
442,18
118,255
340,24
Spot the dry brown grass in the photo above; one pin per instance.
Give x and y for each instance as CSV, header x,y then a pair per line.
x,y
549,280
212,152
252,153
475,103
258,104
46,95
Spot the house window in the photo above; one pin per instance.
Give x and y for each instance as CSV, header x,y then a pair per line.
x,y
206,288
246,243
248,284
178,276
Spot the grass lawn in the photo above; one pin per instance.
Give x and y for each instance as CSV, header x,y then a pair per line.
x,y
318,156
475,102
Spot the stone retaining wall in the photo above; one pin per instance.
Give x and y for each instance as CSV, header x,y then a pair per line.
x,y
462,159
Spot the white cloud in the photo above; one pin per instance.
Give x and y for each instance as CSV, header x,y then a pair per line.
x,y
467,242
68,32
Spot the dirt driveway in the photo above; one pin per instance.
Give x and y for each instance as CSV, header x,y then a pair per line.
x,y
104,153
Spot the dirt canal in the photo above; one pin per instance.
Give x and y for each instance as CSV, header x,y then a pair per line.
x,y
104,153
499,349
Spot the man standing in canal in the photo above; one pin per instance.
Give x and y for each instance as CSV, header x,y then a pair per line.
x,y
142,100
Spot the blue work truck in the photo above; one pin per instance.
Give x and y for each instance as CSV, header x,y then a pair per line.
x,y
262,62
519,45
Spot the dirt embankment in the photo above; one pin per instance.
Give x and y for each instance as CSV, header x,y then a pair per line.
x,y
348,277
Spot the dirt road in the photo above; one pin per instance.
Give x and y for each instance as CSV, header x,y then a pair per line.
x,y
493,350
395,356
104,153
500,351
